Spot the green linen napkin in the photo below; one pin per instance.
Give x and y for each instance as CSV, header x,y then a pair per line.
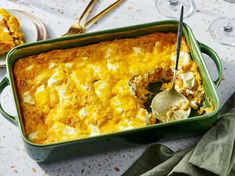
x,y
213,155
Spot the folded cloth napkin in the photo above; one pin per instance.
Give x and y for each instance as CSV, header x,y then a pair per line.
x,y
213,155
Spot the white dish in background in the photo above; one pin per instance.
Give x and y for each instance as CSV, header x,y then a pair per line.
x,y
27,27
42,33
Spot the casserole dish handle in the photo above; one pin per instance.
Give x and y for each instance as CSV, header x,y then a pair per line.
x,y
210,52
3,84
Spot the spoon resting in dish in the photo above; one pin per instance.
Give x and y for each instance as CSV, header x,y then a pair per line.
x,y
170,104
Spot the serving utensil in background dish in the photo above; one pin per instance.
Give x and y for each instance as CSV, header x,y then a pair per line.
x,y
171,104
77,28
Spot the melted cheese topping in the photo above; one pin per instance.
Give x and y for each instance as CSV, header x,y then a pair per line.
x,y
101,88
10,33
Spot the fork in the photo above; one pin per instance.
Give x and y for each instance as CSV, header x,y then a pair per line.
x,y
77,28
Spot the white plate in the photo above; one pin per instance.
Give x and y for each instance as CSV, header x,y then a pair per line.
x,y
42,33
28,28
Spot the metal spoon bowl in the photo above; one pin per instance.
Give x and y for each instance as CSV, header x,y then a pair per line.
x,y
172,105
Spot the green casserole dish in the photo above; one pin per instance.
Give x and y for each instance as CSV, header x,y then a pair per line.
x,y
56,151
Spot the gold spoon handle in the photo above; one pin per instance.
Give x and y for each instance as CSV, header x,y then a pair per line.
x,y
102,13
87,10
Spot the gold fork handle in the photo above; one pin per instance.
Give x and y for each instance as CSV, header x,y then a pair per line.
x,y
102,13
87,10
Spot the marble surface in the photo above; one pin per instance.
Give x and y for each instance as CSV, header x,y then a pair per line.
x,y
58,16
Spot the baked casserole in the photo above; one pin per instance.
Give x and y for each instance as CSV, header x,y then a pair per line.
x,y
101,88
10,32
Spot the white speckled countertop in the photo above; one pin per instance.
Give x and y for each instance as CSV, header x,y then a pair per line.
x,y
58,16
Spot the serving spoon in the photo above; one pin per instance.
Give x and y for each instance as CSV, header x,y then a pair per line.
x,y
77,28
170,104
